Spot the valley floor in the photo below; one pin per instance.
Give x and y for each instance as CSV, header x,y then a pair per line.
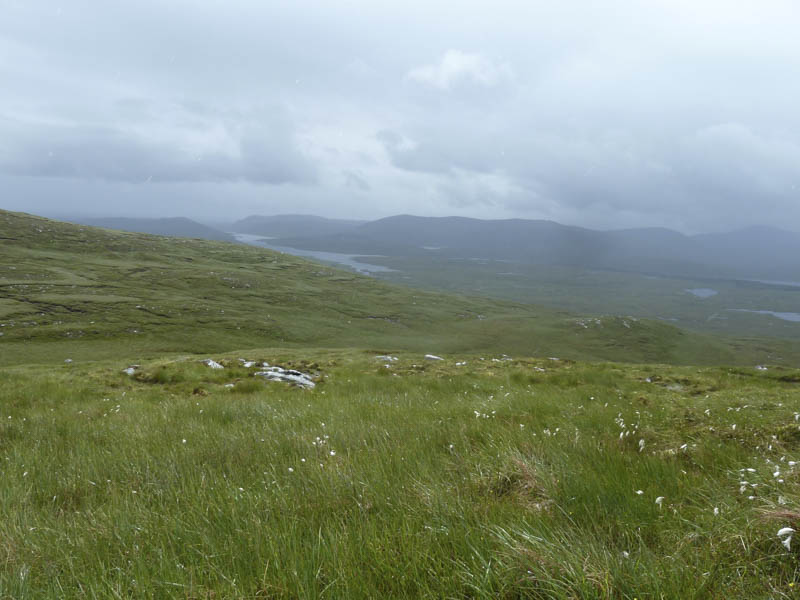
x,y
471,477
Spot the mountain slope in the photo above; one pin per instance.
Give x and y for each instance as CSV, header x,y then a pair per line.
x,y
758,252
754,253
68,291
175,227
293,225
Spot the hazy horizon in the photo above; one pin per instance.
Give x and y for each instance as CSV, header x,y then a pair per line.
x,y
223,224
672,114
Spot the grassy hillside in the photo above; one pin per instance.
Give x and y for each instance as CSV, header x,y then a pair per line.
x,y
176,226
75,292
491,479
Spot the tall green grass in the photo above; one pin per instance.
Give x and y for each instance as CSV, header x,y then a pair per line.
x,y
489,480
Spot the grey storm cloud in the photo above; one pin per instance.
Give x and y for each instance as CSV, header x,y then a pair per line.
x,y
191,149
354,180
616,114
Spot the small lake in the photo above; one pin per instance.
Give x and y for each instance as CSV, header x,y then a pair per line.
x,y
777,283
703,292
348,260
783,316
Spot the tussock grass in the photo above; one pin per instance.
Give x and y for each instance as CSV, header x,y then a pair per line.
x,y
489,480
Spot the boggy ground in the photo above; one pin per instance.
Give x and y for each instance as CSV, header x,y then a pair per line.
x,y
498,478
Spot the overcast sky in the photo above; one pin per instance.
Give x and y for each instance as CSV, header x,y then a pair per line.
x,y
621,113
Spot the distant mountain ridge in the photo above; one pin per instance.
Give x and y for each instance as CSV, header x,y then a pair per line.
x,y
293,225
171,226
755,252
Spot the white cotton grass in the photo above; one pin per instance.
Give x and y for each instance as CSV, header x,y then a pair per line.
x,y
786,533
